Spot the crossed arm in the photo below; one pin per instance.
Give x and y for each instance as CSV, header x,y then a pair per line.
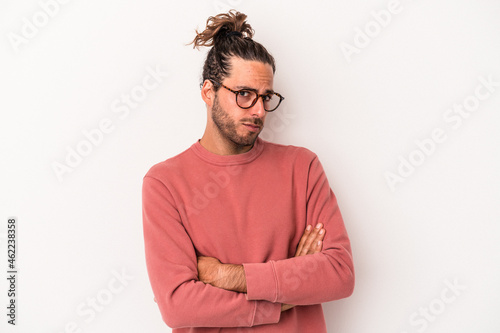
x,y
177,274
232,277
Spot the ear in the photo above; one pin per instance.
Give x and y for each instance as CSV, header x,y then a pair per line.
x,y
207,93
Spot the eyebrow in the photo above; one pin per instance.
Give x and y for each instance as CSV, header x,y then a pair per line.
x,y
268,91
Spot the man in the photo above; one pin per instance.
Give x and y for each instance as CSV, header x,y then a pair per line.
x,y
242,234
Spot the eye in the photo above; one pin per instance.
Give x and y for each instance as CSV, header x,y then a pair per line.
x,y
267,98
244,93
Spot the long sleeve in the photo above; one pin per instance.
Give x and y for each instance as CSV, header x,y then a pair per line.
x,y
311,279
171,261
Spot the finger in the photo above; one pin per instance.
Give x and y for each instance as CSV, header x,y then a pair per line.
x,y
308,244
303,239
317,244
321,235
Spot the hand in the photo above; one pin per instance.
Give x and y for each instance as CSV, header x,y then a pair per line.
x,y
285,307
225,276
311,241
209,270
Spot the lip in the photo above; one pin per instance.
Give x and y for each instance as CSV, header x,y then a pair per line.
x,y
252,127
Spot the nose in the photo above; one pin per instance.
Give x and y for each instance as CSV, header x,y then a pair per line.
x,y
258,109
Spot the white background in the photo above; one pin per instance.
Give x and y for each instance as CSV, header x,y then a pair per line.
x,y
361,114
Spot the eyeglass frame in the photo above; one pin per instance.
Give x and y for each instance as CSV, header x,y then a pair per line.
x,y
237,92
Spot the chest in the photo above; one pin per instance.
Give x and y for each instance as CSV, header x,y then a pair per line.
x,y
238,216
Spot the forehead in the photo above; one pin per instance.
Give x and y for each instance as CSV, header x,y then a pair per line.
x,y
250,73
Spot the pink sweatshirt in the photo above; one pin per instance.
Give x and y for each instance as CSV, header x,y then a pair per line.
x,y
248,209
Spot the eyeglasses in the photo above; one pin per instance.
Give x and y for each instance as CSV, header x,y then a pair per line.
x,y
246,98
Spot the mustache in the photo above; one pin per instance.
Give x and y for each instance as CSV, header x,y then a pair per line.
x,y
255,121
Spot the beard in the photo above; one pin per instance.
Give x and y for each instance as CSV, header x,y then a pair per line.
x,y
227,127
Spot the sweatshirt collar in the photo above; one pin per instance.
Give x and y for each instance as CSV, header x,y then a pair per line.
x,y
243,158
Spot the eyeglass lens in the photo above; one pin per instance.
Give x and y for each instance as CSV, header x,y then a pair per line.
x,y
246,98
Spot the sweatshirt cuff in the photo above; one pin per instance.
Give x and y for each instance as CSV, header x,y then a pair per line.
x,y
262,283
266,313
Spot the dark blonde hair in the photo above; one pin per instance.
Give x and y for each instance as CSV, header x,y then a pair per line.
x,y
229,35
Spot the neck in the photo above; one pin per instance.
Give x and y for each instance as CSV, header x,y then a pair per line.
x,y
222,146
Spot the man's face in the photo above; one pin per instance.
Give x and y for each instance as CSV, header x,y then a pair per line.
x,y
242,126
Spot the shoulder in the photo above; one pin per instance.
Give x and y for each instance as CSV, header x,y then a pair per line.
x,y
172,165
296,153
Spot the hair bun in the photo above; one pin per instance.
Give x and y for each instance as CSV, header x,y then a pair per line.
x,y
222,26
234,33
